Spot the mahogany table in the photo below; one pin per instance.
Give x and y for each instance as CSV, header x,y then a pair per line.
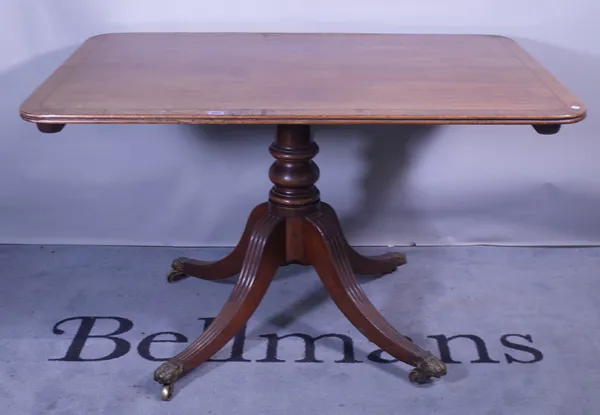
x,y
294,81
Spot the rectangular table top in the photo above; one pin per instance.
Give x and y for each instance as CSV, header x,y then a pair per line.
x,y
301,78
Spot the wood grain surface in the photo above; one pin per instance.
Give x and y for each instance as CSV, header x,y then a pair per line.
x,y
280,78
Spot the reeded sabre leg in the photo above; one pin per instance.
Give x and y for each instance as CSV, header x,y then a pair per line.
x,y
364,265
266,251
223,268
328,254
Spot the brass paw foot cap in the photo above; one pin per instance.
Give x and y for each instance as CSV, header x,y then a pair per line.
x,y
430,367
399,257
168,373
176,273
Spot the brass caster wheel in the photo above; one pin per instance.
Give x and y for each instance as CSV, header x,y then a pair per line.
x,y
418,377
175,275
166,394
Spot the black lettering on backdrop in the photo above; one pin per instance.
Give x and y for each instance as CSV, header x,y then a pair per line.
x,y
237,348
144,346
537,355
309,348
375,356
121,346
482,352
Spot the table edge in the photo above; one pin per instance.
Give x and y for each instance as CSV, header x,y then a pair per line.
x,y
440,120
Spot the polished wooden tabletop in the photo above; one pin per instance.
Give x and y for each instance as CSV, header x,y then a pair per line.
x,y
301,78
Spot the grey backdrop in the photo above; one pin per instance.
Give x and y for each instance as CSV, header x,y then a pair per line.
x,y
186,185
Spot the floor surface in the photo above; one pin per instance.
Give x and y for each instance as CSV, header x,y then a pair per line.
x,y
83,328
